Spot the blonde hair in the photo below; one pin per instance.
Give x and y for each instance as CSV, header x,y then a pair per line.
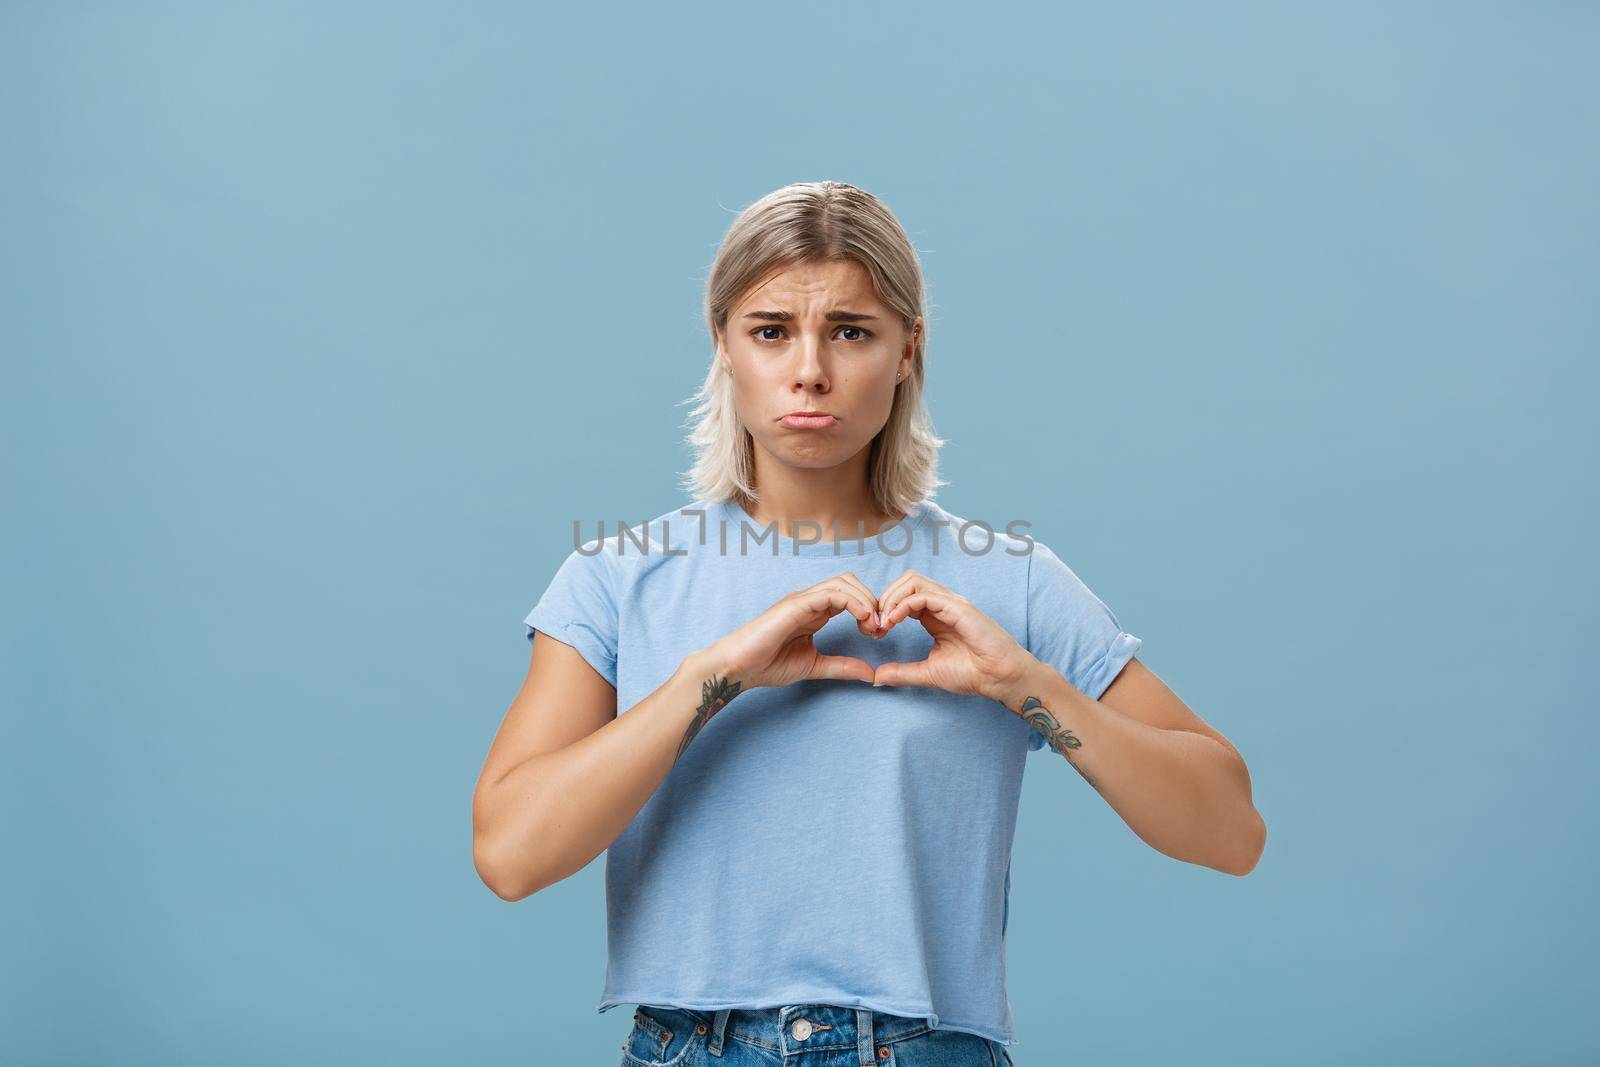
x,y
811,222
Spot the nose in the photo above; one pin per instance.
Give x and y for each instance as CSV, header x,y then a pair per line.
x,y
809,372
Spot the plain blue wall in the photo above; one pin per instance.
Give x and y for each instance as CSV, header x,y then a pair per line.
x,y
321,324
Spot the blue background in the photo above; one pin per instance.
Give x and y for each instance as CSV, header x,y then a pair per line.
x,y
323,323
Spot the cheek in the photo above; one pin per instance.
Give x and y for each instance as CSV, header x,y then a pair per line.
x,y
752,372
753,398
753,386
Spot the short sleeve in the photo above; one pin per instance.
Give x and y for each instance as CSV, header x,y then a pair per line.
x,y
1072,630
579,609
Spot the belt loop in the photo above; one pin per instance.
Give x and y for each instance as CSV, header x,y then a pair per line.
x,y
718,1024
864,1038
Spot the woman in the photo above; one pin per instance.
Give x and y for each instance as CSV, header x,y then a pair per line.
x,y
828,690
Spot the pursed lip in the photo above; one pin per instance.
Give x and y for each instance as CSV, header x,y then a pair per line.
x,y
809,414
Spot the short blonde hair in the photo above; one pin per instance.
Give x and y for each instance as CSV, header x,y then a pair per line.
x,y
811,222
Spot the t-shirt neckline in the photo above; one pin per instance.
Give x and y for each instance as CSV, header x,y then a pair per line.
x,y
897,536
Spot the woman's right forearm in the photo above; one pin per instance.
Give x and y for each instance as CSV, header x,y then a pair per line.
x,y
554,812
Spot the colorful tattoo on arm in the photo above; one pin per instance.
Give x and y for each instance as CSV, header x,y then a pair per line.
x,y
1058,737
714,696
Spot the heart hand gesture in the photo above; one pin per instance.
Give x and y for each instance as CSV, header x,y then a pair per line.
x,y
775,647
972,654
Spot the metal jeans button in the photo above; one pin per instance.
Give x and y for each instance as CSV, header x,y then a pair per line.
x,y
801,1029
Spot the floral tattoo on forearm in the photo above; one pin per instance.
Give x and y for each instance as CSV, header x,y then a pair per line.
x,y
1058,737
714,696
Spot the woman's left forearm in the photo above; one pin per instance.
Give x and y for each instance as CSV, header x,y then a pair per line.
x,y
1185,794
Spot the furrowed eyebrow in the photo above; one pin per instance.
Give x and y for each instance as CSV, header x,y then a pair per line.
x,y
832,316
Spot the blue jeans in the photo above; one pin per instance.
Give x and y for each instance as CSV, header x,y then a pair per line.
x,y
803,1035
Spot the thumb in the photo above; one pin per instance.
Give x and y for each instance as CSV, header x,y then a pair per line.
x,y
842,669
901,674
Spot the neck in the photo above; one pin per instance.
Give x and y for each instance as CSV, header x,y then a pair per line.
x,y
835,498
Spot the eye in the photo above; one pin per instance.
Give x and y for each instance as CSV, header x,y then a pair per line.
x,y
760,333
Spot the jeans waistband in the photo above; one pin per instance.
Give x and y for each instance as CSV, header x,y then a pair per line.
x,y
809,1027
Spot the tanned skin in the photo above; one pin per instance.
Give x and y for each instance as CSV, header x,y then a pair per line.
x,y
714,696
1058,737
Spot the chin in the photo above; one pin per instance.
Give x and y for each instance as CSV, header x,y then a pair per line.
x,y
809,459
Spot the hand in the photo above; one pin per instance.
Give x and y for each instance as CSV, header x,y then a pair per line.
x,y
972,654
775,647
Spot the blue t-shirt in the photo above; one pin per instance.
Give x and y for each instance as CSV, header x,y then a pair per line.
x,y
827,841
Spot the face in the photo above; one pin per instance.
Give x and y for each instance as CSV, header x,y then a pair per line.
x,y
815,338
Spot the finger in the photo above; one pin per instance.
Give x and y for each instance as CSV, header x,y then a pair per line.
x,y
903,674
862,604
820,603
894,587
908,583
936,604
855,583
898,591
841,669
870,624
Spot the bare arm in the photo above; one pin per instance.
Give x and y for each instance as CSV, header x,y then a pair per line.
x,y
1177,782
566,774
556,790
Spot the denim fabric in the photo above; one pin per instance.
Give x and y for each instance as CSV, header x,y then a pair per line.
x,y
805,1035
